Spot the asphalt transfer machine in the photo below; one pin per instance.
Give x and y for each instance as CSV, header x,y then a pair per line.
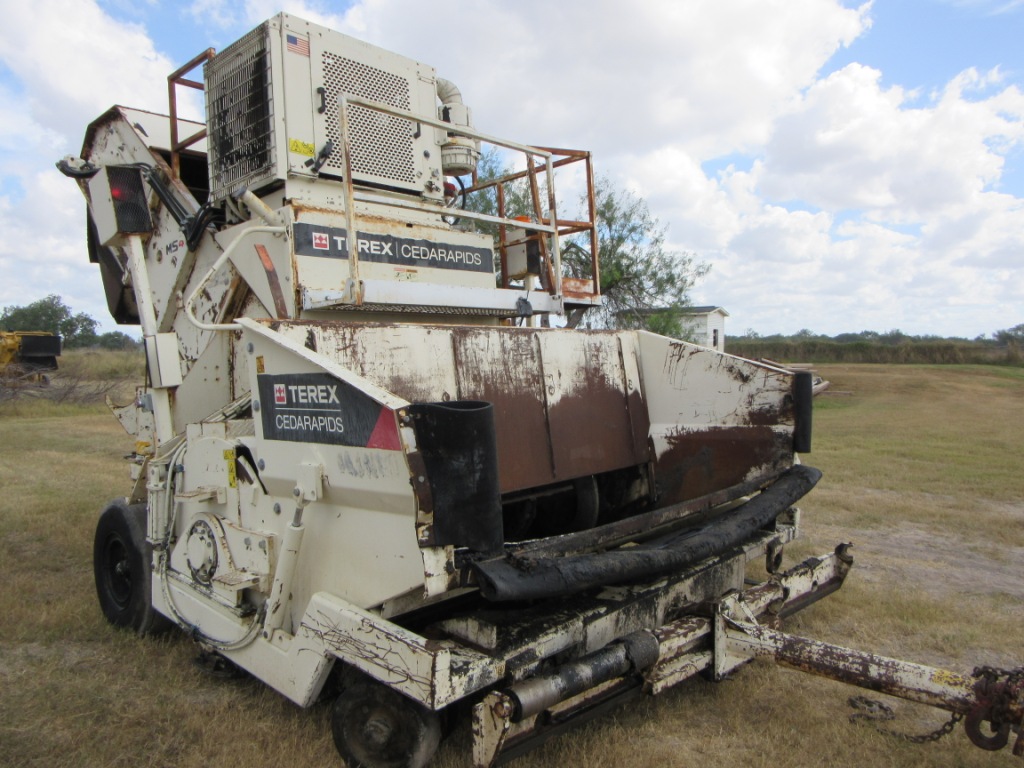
x,y
365,465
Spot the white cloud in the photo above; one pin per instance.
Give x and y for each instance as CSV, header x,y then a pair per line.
x,y
43,248
852,205
623,78
676,188
239,17
923,239
853,145
70,62
74,61
218,13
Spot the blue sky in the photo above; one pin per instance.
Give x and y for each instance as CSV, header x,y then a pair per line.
x,y
925,43
842,166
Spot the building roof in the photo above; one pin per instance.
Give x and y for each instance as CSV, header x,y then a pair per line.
x,y
703,310
681,310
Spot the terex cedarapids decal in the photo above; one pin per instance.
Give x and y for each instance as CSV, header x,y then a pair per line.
x,y
318,408
332,243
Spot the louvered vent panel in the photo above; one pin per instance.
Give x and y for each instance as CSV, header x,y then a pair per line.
x,y
240,114
382,145
426,309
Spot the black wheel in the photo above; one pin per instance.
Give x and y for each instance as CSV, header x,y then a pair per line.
x,y
376,727
121,566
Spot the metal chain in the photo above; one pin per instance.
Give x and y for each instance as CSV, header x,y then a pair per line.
x,y
994,673
876,711
992,676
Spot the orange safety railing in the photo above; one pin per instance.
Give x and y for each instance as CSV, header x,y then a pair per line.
x,y
176,78
579,287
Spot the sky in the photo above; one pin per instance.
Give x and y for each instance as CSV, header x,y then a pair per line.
x,y
842,166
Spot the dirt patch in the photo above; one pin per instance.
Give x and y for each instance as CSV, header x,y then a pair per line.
x,y
29,658
938,564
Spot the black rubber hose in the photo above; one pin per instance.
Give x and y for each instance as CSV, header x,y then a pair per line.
x,y
506,579
87,171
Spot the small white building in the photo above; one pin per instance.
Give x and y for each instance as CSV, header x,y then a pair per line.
x,y
706,325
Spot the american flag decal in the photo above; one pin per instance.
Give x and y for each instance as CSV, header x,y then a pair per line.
x,y
299,45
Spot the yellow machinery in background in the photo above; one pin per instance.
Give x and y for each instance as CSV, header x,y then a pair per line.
x,y
27,355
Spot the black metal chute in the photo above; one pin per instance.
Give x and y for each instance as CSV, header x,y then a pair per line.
x,y
458,443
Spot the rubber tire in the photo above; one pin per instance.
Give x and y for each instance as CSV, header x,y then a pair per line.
x,y
377,727
121,560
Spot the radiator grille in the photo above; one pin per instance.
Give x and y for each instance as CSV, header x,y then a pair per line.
x,y
240,111
382,145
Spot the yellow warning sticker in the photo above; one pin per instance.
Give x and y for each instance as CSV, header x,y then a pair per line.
x,y
301,147
229,458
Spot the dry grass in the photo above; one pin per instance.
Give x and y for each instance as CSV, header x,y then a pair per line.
x,y
84,377
922,473
104,363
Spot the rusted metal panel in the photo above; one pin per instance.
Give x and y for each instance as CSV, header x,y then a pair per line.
x,y
577,287
588,396
277,296
414,363
717,421
505,369
573,404
567,405
698,462
561,402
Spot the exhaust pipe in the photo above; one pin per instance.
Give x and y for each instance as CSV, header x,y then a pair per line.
x,y
633,653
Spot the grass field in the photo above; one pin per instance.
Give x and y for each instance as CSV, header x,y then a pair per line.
x,y
922,473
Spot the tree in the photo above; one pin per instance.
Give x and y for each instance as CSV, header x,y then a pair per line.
x,y
517,193
1011,336
1013,340
643,284
116,340
893,337
52,315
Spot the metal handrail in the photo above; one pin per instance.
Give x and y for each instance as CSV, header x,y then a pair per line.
x,y
531,152
566,227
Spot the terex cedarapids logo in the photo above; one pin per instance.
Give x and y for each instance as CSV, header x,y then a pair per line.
x,y
306,394
319,408
307,409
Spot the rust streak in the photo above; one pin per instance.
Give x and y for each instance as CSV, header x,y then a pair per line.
x,y
275,285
